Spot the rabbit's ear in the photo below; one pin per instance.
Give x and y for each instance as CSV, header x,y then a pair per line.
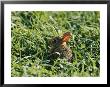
x,y
66,36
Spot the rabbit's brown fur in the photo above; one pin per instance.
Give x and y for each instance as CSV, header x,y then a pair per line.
x,y
59,45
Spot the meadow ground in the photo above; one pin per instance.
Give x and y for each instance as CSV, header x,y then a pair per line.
x,y
30,35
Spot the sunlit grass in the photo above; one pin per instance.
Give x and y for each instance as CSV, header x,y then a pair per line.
x,y
30,35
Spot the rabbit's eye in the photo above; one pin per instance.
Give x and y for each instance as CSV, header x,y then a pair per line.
x,y
54,41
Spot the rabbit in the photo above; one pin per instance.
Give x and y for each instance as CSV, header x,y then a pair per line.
x,y
59,47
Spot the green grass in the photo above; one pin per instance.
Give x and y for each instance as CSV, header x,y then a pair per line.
x,y
30,35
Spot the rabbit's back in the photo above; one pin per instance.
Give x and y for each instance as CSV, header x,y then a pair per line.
x,y
66,52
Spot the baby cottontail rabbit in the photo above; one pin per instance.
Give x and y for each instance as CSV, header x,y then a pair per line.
x,y
60,48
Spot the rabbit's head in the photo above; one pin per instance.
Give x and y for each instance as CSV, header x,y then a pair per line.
x,y
58,41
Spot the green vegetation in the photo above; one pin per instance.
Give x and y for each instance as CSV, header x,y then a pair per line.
x,y
30,35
